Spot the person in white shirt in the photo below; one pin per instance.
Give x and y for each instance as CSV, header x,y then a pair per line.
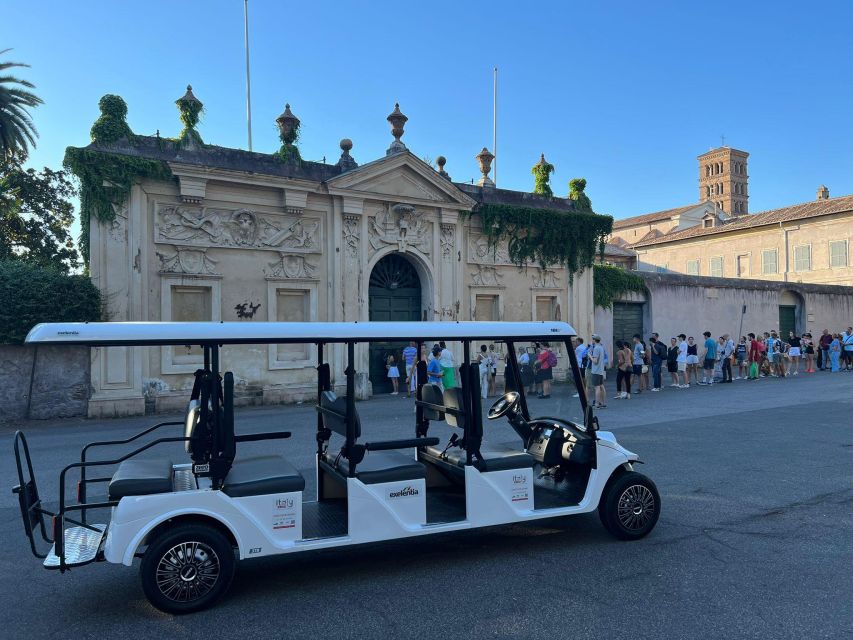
x,y
682,360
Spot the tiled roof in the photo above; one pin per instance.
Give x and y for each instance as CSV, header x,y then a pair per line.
x,y
615,250
209,155
802,211
657,216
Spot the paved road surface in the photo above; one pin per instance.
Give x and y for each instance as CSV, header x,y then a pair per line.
x,y
755,540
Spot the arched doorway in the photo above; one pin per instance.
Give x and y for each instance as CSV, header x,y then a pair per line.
x,y
791,313
394,295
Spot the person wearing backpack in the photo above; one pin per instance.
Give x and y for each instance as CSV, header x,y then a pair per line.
x,y
547,360
658,358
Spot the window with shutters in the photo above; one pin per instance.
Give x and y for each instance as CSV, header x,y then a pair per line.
x,y
715,267
769,261
838,253
692,267
803,257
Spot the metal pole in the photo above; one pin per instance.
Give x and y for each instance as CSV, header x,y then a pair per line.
x,y
495,128
248,79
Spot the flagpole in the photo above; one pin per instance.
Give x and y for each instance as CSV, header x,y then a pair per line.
x,y
495,128
248,80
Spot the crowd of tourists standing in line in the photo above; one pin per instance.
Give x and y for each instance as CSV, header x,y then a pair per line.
x,y
641,366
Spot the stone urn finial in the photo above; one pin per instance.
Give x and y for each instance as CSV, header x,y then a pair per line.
x,y
484,158
397,121
347,162
441,161
190,109
288,126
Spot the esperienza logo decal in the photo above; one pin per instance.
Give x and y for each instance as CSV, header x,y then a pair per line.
x,y
406,492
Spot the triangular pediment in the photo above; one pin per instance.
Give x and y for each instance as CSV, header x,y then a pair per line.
x,y
401,176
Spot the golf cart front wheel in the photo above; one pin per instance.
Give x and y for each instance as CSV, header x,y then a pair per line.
x,y
630,506
187,568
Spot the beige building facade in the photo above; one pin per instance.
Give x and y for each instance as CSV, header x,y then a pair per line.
x,y
241,236
809,242
806,242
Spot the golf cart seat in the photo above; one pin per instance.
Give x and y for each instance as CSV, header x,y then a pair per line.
x,y
258,475
495,457
377,466
141,477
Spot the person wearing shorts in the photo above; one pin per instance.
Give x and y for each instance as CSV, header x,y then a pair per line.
x,y
682,360
410,353
597,367
709,359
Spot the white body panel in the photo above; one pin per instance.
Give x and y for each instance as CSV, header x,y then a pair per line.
x,y
272,524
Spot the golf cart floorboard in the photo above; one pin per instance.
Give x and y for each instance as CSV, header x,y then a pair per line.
x,y
81,547
324,519
554,495
445,505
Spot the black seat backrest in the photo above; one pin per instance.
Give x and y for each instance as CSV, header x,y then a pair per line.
x,y
337,423
453,400
432,393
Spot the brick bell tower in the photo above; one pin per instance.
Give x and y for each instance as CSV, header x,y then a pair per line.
x,y
723,179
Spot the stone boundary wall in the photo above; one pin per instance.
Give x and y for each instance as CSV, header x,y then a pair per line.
x,y
691,304
59,383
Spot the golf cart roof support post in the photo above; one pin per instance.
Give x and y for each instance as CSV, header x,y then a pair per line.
x,y
516,373
206,351
421,425
467,396
350,419
320,390
580,387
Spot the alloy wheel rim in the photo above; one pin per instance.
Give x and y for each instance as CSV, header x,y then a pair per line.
x,y
187,571
636,507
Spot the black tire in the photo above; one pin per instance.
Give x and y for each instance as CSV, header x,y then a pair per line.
x,y
630,506
187,568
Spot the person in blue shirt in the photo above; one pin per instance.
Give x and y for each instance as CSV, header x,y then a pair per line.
x,y
409,355
434,371
710,359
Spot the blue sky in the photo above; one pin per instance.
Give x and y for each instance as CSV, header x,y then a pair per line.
x,y
625,94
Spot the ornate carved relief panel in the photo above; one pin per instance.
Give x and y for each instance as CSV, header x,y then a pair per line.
x,y
238,228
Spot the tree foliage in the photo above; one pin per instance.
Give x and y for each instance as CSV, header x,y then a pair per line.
x,y
32,294
17,131
35,216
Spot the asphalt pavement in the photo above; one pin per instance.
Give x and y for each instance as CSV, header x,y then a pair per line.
x,y
755,538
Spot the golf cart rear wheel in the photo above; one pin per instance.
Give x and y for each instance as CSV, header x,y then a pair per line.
x,y
629,506
187,568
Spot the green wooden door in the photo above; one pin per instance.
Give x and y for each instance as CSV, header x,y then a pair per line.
x,y
627,320
787,320
394,296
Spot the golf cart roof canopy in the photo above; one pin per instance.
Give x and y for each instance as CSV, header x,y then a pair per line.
x,y
181,333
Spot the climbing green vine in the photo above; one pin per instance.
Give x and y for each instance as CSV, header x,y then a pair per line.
x,y
545,236
190,109
288,127
577,195
611,283
105,180
111,126
542,171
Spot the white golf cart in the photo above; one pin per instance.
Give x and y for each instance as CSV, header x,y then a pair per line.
x,y
186,519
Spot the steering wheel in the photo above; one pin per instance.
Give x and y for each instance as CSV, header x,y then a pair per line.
x,y
506,403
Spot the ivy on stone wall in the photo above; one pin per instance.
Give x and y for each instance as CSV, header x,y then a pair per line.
x,y
545,236
611,283
105,180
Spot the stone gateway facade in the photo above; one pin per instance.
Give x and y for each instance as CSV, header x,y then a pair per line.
x,y
241,236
